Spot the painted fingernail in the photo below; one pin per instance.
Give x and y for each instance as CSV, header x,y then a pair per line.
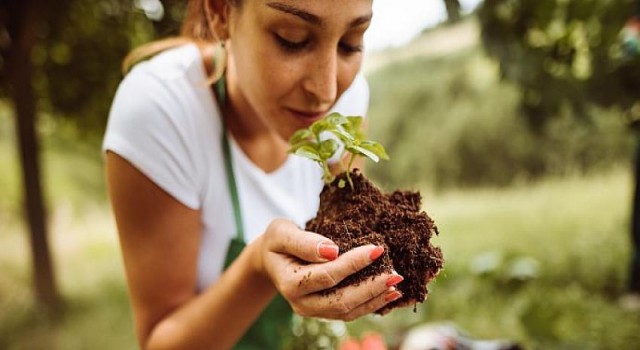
x,y
328,250
376,252
393,296
393,280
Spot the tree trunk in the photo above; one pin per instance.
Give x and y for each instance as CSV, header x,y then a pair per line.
x,y
454,10
22,23
634,264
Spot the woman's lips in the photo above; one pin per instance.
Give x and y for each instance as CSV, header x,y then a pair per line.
x,y
307,116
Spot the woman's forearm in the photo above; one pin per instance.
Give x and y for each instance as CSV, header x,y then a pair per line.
x,y
219,316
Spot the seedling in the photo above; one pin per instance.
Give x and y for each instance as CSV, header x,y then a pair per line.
x,y
316,143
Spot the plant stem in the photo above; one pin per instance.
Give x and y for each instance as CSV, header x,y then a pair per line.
x,y
328,177
353,157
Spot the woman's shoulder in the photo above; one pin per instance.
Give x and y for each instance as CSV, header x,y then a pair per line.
x,y
167,77
162,121
175,63
172,82
165,96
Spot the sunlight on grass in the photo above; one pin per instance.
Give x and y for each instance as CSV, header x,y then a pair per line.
x,y
547,219
90,277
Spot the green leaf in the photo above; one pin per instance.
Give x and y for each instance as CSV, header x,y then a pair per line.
x,y
342,134
354,122
348,129
300,136
354,127
376,148
319,126
336,119
308,152
327,148
295,147
363,151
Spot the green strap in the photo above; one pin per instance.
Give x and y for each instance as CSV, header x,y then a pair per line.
x,y
221,90
237,213
273,326
228,164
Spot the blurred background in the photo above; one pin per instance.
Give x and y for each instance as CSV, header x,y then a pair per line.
x,y
516,119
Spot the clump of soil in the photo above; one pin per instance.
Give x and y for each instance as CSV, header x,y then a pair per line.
x,y
365,215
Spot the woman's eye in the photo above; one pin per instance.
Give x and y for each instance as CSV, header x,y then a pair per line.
x,y
350,49
291,45
294,46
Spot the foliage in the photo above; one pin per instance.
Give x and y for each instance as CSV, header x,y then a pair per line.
x,y
453,122
79,50
454,10
563,53
310,143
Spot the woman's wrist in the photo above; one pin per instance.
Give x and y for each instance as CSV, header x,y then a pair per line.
x,y
258,271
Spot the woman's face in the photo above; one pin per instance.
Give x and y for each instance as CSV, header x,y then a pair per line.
x,y
290,60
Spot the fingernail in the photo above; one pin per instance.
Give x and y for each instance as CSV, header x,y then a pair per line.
x,y
376,252
392,296
393,280
328,250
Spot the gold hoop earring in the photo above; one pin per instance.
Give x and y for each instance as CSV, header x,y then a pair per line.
x,y
219,61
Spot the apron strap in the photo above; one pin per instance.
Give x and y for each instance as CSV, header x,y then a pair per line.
x,y
273,326
228,164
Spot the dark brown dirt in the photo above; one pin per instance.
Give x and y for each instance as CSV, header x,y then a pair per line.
x,y
365,215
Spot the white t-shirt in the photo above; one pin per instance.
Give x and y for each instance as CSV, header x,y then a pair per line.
x,y
165,122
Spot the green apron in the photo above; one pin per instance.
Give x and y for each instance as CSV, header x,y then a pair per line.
x,y
272,326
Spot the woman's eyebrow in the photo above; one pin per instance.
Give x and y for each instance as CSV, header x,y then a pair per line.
x,y
361,20
311,18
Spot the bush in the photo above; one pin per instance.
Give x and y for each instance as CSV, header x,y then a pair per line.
x,y
450,121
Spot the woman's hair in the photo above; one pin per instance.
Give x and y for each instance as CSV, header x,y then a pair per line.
x,y
197,27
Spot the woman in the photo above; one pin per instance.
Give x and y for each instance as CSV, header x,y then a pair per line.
x,y
195,171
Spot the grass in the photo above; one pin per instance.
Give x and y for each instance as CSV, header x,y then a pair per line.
x,y
95,313
543,264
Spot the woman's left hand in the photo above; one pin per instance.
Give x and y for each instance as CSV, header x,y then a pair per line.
x,y
302,264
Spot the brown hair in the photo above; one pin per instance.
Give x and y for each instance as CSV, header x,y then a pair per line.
x,y
197,27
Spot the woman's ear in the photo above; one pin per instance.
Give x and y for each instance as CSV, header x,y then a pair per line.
x,y
217,12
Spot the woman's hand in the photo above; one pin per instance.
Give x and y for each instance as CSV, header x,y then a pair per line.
x,y
301,264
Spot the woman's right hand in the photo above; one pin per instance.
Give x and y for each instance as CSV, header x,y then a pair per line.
x,y
301,264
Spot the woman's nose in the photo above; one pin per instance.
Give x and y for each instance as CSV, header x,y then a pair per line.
x,y
321,82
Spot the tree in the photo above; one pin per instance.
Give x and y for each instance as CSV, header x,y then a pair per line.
x,y
79,50
562,53
19,20
570,52
454,10
67,64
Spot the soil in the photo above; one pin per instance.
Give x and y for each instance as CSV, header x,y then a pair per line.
x,y
366,215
